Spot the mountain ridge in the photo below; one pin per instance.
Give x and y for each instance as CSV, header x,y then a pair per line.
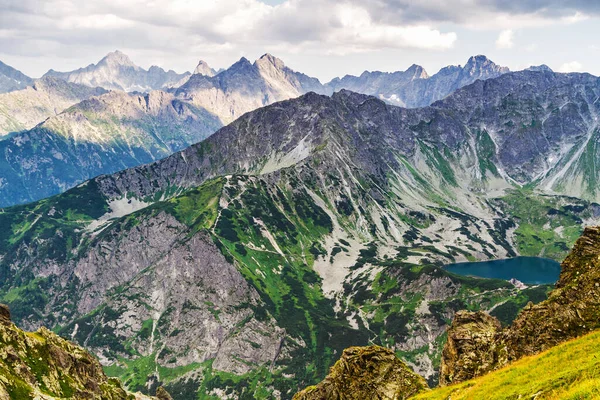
x,y
21,110
101,134
117,71
12,79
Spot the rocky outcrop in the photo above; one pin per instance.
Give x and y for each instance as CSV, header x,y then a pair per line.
x,y
476,345
366,373
162,394
470,349
42,365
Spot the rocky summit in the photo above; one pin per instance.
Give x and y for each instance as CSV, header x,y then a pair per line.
x,y
42,365
117,71
366,373
12,79
477,345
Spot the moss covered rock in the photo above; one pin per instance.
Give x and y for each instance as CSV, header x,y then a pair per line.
x,y
472,336
365,373
42,365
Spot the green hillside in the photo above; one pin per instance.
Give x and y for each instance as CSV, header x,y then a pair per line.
x,y
568,371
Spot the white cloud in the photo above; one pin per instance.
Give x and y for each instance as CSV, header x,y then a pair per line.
x,y
505,39
67,34
573,66
178,25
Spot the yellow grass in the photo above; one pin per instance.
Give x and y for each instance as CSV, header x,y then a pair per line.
x,y
568,371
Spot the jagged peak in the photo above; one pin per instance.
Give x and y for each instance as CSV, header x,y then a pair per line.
x,y
370,372
480,60
417,71
204,69
269,59
346,95
117,57
242,62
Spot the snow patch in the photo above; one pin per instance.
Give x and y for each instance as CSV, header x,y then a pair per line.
x,y
118,208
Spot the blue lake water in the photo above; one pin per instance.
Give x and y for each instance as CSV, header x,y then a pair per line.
x,y
529,270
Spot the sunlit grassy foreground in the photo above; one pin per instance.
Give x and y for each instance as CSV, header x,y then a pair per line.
x,y
568,371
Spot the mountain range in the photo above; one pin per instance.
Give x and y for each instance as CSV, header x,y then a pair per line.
x,y
247,262
217,98
116,71
102,134
246,86
414,87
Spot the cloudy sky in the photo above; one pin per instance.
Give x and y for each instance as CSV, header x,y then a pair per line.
x,y
323,38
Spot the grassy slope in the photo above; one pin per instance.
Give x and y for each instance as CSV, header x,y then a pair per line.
x,y
568,371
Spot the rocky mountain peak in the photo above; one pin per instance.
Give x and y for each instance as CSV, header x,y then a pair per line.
x,y
117,71
267,60
204,69
480,64
539,68
417,72
241,65
117,58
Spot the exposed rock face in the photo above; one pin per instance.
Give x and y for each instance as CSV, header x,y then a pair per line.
x,y
476,346
23,109
366,373
42,365
117,71
4,313
472,337
413,87
245,87
204,69
12,79
100,135
484,124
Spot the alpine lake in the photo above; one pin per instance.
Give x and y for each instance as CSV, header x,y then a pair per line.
x,y
529,270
